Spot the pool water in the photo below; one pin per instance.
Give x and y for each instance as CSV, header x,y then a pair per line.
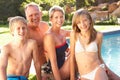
x,y
111,50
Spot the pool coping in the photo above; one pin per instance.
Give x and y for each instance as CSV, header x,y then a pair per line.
x,y
112,31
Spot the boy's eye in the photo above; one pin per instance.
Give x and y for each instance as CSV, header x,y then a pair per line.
x,y
56,17
23,27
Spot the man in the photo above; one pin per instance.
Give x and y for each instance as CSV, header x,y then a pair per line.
x,y
17,55
36,27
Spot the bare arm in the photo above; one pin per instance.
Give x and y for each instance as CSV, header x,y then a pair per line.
x,y
99,38
111,74
66,32
36,61
3,63
49,46
72,57
45,25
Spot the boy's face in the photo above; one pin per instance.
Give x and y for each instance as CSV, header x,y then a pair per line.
x,y
19,30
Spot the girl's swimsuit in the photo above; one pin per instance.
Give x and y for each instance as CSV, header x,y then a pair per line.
x,y
91,75
92,47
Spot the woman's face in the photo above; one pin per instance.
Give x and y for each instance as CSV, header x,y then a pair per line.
x,y
57,19
84,23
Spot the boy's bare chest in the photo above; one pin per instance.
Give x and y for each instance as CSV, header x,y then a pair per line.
x,y
20,54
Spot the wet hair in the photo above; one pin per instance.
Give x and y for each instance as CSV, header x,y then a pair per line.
x,y
54,9
15,19
76,20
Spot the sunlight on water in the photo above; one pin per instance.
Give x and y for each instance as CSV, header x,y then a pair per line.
x,y
111,51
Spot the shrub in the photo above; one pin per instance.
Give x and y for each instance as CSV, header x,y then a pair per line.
x,y
45,16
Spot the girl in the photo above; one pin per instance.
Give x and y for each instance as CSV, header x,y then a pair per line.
x,y
85,47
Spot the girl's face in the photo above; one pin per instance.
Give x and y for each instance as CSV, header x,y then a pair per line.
x,y
84,23
57,19
19,30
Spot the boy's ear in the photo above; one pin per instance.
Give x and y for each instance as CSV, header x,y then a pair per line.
x,y
12,33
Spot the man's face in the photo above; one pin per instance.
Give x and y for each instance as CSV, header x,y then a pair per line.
x,y
33,15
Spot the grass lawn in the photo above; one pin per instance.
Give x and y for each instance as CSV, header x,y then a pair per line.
x,y
5,35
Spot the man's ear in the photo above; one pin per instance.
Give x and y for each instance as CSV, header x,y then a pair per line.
x,y
41,13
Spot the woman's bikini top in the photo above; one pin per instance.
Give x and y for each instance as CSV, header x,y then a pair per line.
x,y
92,47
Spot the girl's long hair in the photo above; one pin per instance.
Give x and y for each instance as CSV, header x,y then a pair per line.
x,y
76,19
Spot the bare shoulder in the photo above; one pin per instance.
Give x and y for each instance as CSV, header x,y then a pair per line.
x,y
32,42
99,35
65,32
48,35
43,23
6,48
62,31
7,45
72,33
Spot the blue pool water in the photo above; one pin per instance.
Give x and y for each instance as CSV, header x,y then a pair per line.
x,y
111,50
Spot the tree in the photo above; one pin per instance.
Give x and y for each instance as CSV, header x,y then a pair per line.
x,y
79,4
9,8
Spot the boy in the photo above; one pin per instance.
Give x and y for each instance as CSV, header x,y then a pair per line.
x,y
17,55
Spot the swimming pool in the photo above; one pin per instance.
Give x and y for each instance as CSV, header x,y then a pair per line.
x,y
111,50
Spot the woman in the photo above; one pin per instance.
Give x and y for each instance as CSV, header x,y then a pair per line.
x,y
55,44
85,47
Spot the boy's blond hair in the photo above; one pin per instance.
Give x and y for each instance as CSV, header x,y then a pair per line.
x,y
15,19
